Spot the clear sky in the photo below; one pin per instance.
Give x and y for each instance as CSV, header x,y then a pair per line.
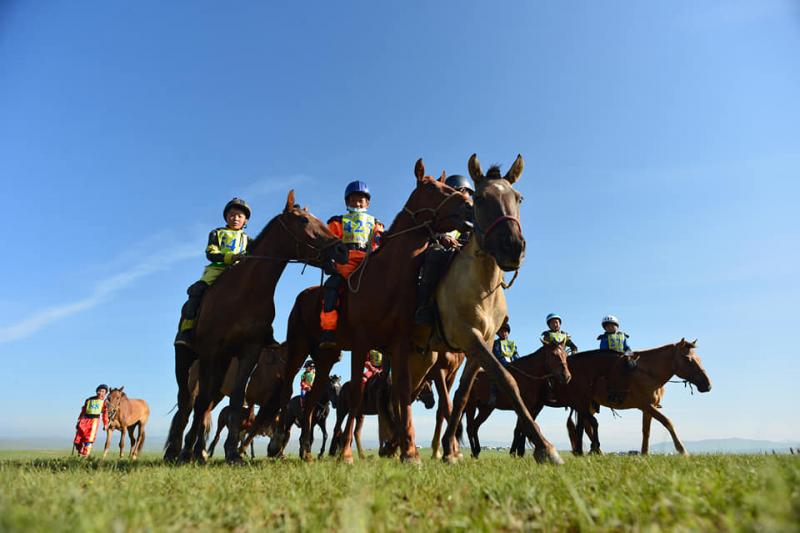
x,y
662,149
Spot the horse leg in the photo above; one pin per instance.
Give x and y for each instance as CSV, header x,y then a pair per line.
x,y
248,357
646,419
459,403
518,444
123,434
401,390
252,451
580,427
341,412
183,362
322,423
544,450
357,435
594,435
109,432
220,426
442,411
209,383
319,386
667,423
132,437
358,355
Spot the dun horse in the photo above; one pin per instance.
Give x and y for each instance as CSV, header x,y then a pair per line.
x,y
234,320
377,309
125,415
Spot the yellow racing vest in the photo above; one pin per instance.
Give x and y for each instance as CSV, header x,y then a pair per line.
x,y
616,341
507,348
230,241
357,229
94,407
554,337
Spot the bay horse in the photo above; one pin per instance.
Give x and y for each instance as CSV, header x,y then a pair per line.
x,y
377,307
248,417
531,373
471,307
126,415
235,319
377,393
645,388
293,413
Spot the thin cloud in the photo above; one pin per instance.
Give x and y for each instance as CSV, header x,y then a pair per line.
x,y
103,290
274,184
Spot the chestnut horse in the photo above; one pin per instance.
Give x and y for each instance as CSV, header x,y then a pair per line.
x,y
234,321
125,415
471,307
376,402
377,310
531,373
645,388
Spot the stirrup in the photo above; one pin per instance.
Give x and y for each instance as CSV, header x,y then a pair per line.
x,y
183,338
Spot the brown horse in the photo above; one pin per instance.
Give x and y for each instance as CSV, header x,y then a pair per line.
x,y
443,375
377,309
531,373
234,321
125,415
248,417
472,306
376,399
595,370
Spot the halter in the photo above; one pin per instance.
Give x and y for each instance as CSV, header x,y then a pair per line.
x,y
497,221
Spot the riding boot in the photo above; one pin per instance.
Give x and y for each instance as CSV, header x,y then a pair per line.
x,y
436,259
327,339
189,313
330,297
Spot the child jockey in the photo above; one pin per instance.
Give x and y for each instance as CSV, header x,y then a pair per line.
x,y
226,246
93,409
438,256
373,365
506,351
613,339
307,379
360,232
554,335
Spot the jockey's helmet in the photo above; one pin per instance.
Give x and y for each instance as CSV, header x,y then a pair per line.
x,y
458,182
239,204
101,386
308,364
357,187
505,327
610,319
550,317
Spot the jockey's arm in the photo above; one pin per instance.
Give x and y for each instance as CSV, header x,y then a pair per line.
x,y
213,251
571,345
105,415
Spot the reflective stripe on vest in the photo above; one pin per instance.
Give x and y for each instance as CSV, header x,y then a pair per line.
x,y
454,234
616,341
94,407
375,357
507,348
357,228
555,337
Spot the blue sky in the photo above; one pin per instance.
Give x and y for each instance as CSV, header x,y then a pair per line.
x,y
661,147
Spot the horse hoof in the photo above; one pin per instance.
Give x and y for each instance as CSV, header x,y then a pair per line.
x,y
307,457
347,460
412,460
450,459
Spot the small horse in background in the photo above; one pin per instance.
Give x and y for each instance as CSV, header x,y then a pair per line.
x,y
376,401
125,415
248,418
293,415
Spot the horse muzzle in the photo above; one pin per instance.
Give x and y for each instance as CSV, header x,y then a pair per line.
x,y
337,253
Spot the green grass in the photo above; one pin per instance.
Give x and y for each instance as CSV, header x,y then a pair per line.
x,y
710,493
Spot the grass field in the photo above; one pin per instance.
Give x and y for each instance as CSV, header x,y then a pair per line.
x,y
45,492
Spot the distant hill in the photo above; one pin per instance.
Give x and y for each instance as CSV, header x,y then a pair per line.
x,y
731,445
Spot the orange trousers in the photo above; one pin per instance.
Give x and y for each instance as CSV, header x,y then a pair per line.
x,y
329,319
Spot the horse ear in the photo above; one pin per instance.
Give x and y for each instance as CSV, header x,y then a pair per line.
x,y
443,176
289,202
419,169
515,171
122,388
475,170
683,341
694,343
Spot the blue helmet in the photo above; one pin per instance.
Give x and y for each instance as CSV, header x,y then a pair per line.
x,y
357,186
550,317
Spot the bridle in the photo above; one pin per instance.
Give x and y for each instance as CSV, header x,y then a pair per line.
x,y
428,223
298,243
498,221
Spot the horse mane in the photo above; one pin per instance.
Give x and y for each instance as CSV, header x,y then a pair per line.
x,y
263,232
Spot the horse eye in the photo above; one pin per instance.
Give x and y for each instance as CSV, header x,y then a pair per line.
x,y
305,220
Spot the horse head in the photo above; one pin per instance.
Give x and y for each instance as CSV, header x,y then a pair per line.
x,y
689,367
497,224
436,206
306,238
334,388
556,360
114,398
426,395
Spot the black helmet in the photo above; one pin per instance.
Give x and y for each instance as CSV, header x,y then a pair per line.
x,y
102,386
457,181
239,204
308,363
506,326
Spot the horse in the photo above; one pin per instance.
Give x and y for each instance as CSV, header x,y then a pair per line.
x,y
235,318
376,398
378,305
125,415
531,373
471,307
248,417
645,388
293,412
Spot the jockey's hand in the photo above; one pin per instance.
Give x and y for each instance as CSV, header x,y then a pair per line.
x,y
238,257
448,241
